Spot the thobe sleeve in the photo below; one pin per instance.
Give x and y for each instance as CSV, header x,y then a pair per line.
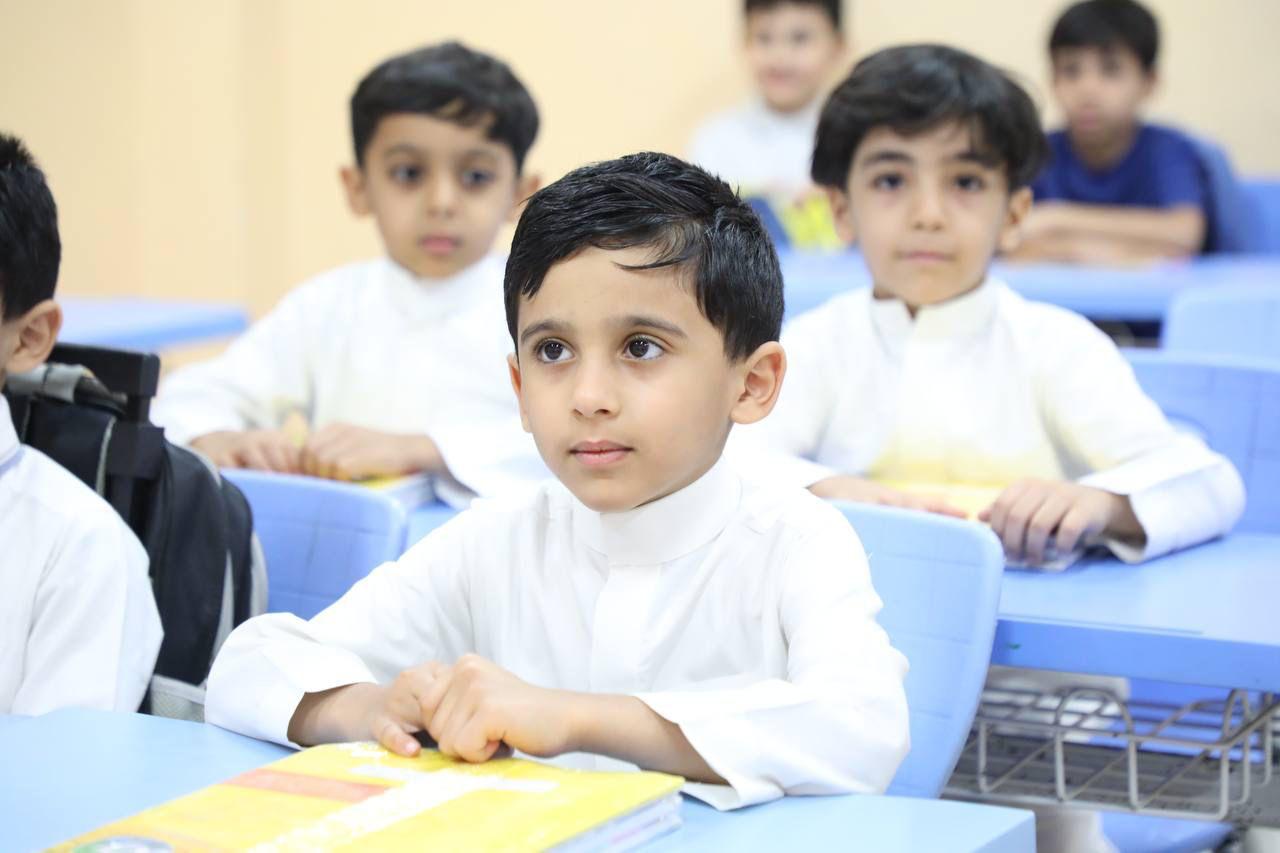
x,y
838,722
95,631
403,614
260,378
783,447
1181,491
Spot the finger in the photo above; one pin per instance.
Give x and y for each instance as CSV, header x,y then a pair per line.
x,y
390,734
282,456
473,740
252,457
999,510
938,504
1073,530
1014,534
1042,525
438,724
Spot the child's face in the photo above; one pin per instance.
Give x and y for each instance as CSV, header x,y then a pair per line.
x,y
624,383
927,213
791,49
438,191
1101,91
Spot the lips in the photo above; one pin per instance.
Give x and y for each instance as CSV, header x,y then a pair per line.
x,y
926,256
439,244
599,453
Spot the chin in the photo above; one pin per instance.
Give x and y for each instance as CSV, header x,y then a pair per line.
x,y
605,496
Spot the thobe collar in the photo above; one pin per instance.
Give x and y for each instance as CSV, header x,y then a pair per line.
x,y
805,119
460,291
8,437
665,529
966,316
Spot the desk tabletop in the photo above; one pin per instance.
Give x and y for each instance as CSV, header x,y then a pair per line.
x,y
1203,616
147,324
70,771
1135,294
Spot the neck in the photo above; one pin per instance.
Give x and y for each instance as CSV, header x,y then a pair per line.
x,y
1104,152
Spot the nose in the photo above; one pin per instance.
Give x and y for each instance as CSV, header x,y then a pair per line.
x,y
927,211
594,390
441,195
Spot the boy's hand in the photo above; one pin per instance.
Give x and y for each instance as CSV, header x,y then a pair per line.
x,y
859,490
259,449
348,452
472,709
1029,512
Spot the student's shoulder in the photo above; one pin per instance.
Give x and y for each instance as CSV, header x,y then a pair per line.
x,y
1042,328
1166,139
790,514
832,320
58,502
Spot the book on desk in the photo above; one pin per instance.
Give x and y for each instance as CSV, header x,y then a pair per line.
x,y
360,796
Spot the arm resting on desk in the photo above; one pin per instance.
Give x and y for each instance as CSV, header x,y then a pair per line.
x,y
1060,231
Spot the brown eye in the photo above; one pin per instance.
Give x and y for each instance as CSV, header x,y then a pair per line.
x,y
643,349
552,351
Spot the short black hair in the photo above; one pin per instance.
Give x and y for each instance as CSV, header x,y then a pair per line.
x,y
452,82
30,250
915,88
831,7
1107,23
691,219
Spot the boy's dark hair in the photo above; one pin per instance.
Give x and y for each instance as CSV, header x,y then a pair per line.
x,y
692,220
831,7
1106,24
30,250
915,88
452,82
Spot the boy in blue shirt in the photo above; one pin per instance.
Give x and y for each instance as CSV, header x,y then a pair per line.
x,y
395,362
1116,190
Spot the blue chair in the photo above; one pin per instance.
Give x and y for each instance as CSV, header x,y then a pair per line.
x,y
1238,320
319,536
1234,405
939,579
1263,198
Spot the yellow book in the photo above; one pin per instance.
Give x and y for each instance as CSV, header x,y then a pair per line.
x,y
358,796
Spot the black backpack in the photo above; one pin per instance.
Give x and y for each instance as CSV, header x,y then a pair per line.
x,y
87,409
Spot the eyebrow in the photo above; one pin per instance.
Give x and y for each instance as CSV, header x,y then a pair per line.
x,y
966,156
409,148
631,321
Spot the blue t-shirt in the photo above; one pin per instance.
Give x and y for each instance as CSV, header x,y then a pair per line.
x,y
1162,169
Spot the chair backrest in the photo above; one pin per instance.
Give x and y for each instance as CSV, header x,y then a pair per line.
x,y
939,579
1234,405
1234,320
319,536
1263,197
1234,220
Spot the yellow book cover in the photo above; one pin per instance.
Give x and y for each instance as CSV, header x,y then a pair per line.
x,y
358,796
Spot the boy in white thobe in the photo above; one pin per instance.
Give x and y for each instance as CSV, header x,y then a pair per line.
x,y
78,623
651,607
396,364
938,376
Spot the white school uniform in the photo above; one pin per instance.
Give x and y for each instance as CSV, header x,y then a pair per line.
x,y
743,614
757,148
986,389
78,622
371,345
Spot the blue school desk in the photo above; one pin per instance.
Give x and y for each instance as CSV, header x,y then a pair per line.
x,y
147,324
1205,616
68,772
1130,295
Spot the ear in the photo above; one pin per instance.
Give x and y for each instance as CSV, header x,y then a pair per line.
x,y
513,368
353,182
761,381
1011,231
1151,84
526,185
36,334
841,214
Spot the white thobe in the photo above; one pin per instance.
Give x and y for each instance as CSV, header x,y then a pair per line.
x,y
371,345
983,390
78,622
758,149
743,614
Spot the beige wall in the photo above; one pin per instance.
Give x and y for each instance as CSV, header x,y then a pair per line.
x,y
193,147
